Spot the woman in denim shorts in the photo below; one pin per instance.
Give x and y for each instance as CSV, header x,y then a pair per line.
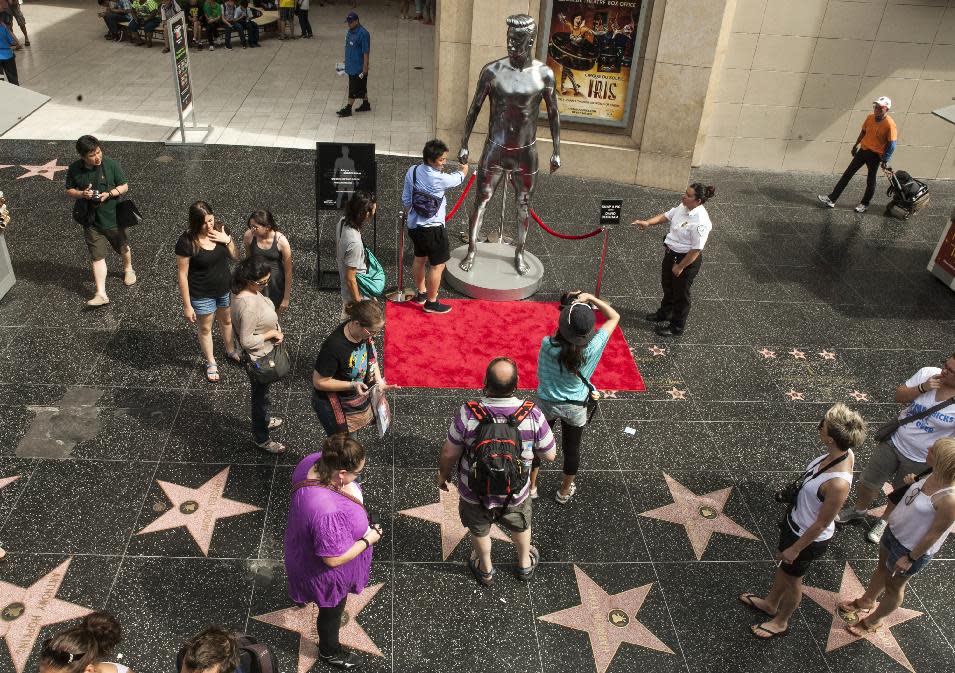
x,y
918,527
203,253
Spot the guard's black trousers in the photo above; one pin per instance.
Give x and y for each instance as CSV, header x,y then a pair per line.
x,y
676,289
866,158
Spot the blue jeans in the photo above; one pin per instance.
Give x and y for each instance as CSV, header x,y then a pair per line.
x,y
148,27
112,22
228,34
896,550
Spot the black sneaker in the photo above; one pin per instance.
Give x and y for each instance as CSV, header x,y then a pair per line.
x,y
436,307
669,330
346,660
654,317
344,112
420,298
364,107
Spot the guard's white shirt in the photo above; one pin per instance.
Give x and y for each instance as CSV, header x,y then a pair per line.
x,y
689,229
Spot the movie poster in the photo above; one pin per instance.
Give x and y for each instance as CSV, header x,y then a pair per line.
x,y
591,47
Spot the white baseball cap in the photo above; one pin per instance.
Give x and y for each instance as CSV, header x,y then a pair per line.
x,y
884,101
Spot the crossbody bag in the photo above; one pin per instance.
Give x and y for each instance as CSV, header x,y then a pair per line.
x,y
888,429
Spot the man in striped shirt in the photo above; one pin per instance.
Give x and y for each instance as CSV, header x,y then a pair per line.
x,y
478,514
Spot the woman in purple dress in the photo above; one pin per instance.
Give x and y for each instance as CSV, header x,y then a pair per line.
x,y
328,539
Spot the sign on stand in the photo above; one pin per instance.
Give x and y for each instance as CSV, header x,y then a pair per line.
x,y
610,211
176,35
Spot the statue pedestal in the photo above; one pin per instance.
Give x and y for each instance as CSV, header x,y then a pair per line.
x,y
493,276
7,279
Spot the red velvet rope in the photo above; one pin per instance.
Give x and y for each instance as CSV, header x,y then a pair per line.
x,y
569,237
460,200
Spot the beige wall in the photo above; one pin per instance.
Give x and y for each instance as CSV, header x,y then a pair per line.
x,y
795,78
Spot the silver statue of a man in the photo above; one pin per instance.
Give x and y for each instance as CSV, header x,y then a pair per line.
x,y
516,85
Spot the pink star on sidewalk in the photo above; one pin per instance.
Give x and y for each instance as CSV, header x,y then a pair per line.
x,y
198,509
6,481
445,514
827,355
701,515
302,622
47,170
608,620
608,394
676,394
797,354
25,611
859,396
851,588
657,351
795,395
767,354
2,166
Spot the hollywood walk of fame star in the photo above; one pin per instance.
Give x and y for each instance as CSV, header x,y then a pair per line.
x,y
6,481
849,588
859,396
767,354
608,394
794,395
657,351
47,170
701,515
24,611
676,394
2,166
303,622
445,514
198,509
827,355
797,354
608,620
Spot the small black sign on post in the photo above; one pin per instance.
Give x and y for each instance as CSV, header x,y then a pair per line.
x,y
610,211
176,38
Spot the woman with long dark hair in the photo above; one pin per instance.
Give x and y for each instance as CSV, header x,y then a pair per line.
x,y
84,648
328,539
257,329
264,240
203,253
565,363
350,249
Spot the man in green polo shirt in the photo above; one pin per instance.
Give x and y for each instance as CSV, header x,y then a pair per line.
x,y
100,180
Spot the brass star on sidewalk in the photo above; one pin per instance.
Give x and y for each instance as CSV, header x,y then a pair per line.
x,y
608,620
198,509
25,611
797,354
303,622
859,396
767,354
794,395
47,170
851,588
701,515
657,351
445,514
676,394
827,355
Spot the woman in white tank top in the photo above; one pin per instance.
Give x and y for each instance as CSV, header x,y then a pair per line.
x,y
918,527
805,533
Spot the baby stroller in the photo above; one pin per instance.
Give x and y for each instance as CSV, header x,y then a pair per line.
x,y
908,195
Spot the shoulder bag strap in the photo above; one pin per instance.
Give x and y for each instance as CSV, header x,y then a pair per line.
x,y
927,412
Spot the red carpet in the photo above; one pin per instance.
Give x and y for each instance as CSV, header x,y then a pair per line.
x,y
452,351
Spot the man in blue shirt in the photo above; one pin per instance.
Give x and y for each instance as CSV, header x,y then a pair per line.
x,y
357,47
427,181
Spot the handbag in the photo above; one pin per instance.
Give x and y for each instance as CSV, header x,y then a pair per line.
x,y
84,213
372,282
887,430
272,367
789,493
127,214
424,204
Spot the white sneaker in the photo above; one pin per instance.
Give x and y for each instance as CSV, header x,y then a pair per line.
x,y
861,208
825,201
275,422
849,513
534,495
564,499
211,48
875,533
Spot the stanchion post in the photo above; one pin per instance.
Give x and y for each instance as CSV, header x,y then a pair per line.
x,y
603,258
400,256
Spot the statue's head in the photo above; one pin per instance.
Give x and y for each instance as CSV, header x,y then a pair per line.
x,y
521,31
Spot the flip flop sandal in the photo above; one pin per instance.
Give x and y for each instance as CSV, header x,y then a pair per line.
x,y
851,612
747,600
484,578
526,574
772,634
860,629
212,372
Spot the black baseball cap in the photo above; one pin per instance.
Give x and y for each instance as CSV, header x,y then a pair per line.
x,y
352,16
577,323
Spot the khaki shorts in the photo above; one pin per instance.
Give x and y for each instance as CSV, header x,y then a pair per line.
x,y
99,241
887,464
478,520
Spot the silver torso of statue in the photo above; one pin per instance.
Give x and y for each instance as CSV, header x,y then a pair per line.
x,y
516,86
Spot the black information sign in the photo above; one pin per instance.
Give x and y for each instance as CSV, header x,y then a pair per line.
x,y
178,34
610,211
342,168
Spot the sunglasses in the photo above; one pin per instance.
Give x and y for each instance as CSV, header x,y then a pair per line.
x,y
262,283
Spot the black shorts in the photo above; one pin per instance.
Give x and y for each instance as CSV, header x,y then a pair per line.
x,y
358,87
431,242
801,565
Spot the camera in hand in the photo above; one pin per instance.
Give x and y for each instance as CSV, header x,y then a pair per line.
x,y
96,196
568,298
788,495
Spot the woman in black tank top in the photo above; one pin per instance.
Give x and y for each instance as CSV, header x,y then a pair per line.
x,y
264,240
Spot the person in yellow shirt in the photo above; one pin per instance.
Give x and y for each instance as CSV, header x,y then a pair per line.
x,y
874,146
286,19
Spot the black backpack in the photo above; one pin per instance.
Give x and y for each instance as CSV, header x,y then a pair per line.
x,y
497,468
254,657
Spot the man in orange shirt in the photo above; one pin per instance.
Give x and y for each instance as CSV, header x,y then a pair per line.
x,y
875,145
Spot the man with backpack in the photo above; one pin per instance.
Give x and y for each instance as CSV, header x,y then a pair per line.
x,y
426,209
215,650
492,442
